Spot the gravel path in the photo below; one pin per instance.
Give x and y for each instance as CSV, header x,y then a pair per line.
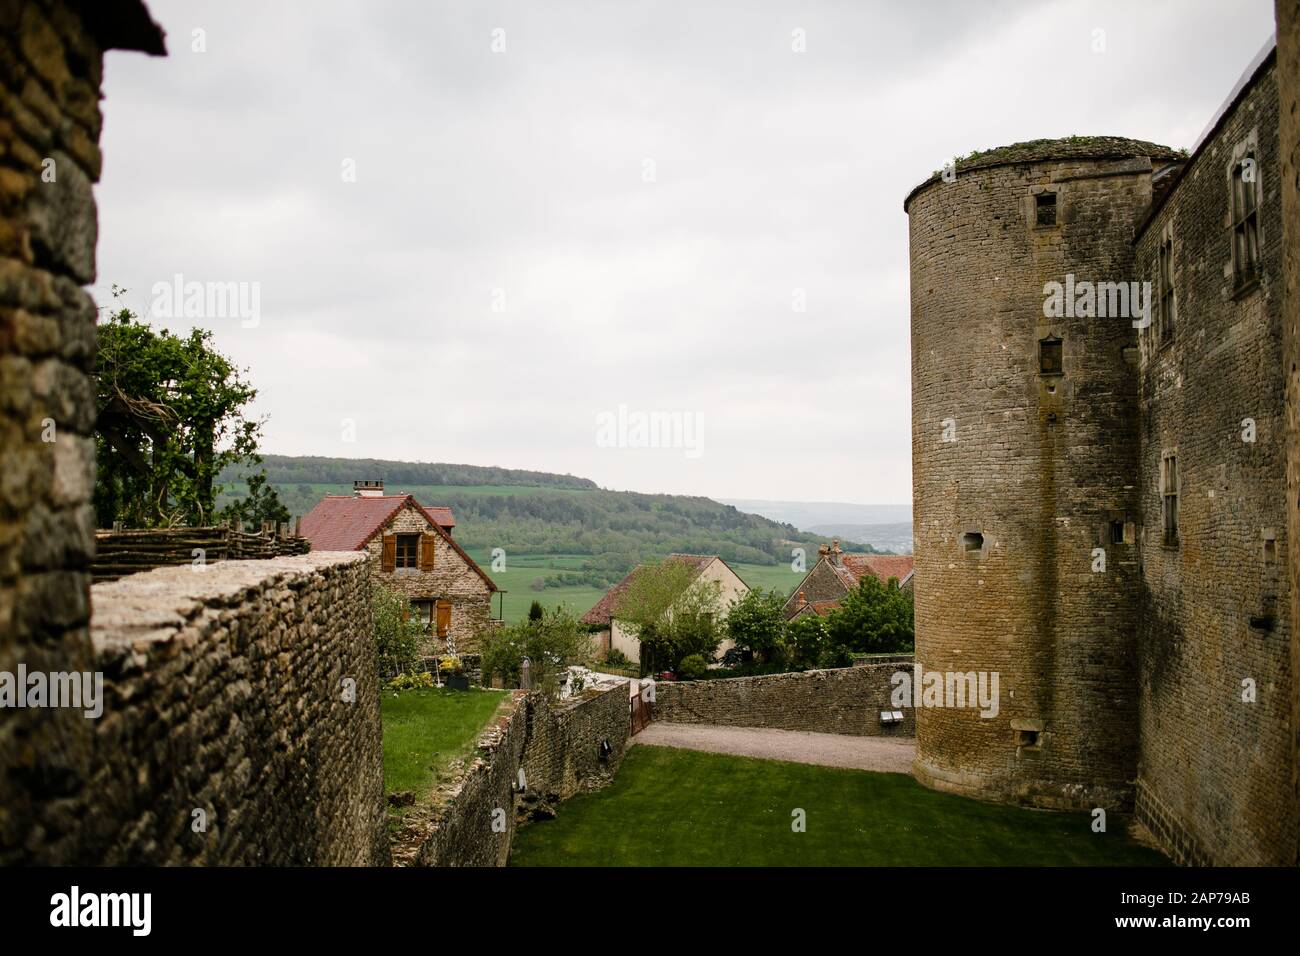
x,y
885,754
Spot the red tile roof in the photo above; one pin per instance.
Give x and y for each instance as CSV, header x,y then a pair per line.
x,y
820,608
881,566
607,606
348,522
441,517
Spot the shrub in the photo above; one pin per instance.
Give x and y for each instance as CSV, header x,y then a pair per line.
x,y
692,667
397,634
616,658
410,681
550,644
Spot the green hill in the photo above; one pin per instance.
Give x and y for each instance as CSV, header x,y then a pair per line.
x,y
601,533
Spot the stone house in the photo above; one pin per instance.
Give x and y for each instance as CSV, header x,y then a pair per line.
x,y
836,574
609,633
413,553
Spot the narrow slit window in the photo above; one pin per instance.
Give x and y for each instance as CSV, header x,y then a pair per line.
x,y
1169,498
1245,220
1045,209
1117,532
1050,356
1166,327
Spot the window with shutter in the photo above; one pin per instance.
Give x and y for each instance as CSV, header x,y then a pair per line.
x,y
388,556
444,617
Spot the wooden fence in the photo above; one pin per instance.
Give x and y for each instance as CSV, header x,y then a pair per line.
x,y
121,552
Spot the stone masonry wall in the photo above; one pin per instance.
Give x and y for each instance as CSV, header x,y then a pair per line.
x,y
225,692
450,578
1288,73
1214,769
1034,466
50,72
562,755
846,700
558,748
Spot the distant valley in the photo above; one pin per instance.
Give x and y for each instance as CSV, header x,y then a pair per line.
x,y
883,527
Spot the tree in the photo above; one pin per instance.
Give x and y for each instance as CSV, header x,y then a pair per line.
x,y
873,618
261,504
551,643
806,639
671,613
756,623
397,634
535,611
171,416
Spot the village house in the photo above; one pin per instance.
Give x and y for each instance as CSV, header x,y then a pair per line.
x,y
835,574
609,633
412,553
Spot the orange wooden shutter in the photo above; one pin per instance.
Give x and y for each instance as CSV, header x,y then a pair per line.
x,y
428,548
406,612
444,618
389,554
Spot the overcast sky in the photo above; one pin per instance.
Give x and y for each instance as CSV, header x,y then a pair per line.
x,y
622,204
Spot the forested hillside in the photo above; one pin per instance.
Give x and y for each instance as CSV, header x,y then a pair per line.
x,y
286,470
537,513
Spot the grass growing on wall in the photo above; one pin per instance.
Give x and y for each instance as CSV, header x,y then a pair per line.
x,y
670,807
426,729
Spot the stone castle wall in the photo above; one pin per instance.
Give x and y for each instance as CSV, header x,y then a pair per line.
x,y
247,692
1020,474
556,745
1288,79
845,700
1214,769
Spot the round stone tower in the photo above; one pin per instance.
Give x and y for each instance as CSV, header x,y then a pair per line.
x,y
1024,454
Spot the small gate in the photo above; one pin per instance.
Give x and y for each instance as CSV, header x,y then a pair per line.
x,y
641,711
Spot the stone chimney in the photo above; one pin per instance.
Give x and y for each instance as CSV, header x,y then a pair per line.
x,y
801,600
368,489
835,552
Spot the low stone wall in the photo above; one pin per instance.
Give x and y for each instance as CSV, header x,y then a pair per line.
x,y
473,666
230,731
563,753
472,820
846,700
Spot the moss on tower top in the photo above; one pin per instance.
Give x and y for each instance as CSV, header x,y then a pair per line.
x,y
1055,150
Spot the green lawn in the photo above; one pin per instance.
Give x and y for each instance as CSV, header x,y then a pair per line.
x,y
425,729
670,807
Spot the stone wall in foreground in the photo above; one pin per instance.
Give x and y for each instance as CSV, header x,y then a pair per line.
x,y
846,700
472,819
240,721
51,63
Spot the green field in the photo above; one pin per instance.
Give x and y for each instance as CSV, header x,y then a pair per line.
x,y
669,807
521,570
